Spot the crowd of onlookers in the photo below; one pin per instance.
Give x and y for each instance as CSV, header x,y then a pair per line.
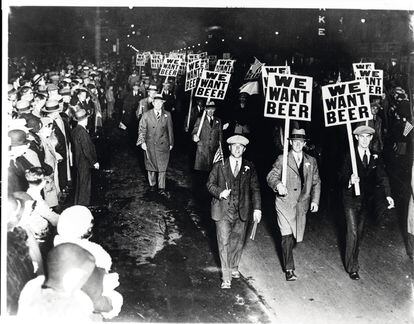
x,y
54,270
50,245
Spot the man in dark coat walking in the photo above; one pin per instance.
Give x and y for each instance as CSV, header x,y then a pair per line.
x,y
371,174
129,109
85,158
234,186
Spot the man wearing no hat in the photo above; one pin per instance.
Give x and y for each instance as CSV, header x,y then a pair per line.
x,y
234,186
84,158
302,189
371,175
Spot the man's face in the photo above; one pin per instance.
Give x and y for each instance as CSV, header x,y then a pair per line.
x,y
297,145
135,88
210,112
158,104
364,140
151,94
82,96
237,150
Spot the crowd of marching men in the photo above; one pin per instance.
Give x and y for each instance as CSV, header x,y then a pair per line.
x,y
54,116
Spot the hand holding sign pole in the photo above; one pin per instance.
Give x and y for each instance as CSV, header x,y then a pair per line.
x,y
347,103
288,97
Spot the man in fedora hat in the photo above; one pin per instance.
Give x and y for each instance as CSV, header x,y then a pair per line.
x,y
371,174
62,132
234,186
129,109
156,138
85,158
293,199
146,103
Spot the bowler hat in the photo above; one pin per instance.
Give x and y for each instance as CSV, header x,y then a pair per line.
x,y
80,114
298,134
51,105
17,137
152,87
238,139
363,129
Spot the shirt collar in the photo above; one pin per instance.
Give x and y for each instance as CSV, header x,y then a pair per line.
x,y
233,160
361,152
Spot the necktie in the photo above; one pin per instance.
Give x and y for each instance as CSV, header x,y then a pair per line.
x,y
365,159
236,169
211,122
158,115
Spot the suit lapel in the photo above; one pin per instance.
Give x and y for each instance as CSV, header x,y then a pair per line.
x,y
306,169
292,163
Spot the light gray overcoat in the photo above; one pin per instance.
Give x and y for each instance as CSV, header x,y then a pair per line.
x,y
292,208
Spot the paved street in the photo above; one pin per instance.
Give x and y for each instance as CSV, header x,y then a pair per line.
x,y
165,253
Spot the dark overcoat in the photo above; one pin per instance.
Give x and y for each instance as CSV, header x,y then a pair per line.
x,y
210,137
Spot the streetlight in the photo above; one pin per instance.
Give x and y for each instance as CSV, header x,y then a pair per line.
x,y
128,35
276,33
106,39
133,32
206,42
363,20
222,39
132,25
148,36
240,37
198,44
83,37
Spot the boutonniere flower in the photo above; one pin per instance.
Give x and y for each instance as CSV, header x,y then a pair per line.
x,y
375,156
246,168
307,164
165,115
217,121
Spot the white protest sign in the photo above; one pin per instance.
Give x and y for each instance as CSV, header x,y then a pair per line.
x,y
374,79
181,56
346,102
181,70
362,66
203,55
225,66
283,69
288,97
140,59
191,57
193,72
156,61
213,85
254,70
170,67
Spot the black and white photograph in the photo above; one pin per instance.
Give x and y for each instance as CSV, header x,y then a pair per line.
x,y
207,162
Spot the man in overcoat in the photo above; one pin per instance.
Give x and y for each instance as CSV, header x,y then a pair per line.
x,y
129,108
156,138
235,189
84,157
210,136
302,189
371,175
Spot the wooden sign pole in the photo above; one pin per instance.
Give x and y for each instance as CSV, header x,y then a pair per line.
x,y
285,150
202,119
189,110
353,159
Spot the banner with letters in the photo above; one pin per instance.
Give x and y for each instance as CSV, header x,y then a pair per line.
x,y
140,59
346,102
285,69
170,67
224,66
213,85
212,61
288,97
374,79
156,61
193,72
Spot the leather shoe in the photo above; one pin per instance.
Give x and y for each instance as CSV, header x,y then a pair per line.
x,y
354,275
235,274
290,275
226,284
